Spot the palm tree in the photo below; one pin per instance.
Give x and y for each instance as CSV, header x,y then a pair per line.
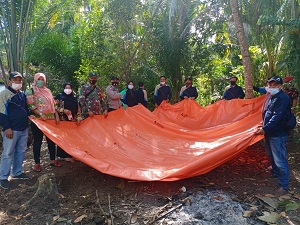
x,y
243,43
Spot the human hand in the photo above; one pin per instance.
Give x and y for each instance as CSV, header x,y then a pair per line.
x,y
43,117
9,133
57,120
260,131
91,114
32,116
105,114
185,97
79,119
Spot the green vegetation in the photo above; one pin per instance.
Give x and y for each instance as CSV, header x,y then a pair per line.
x,y
141,40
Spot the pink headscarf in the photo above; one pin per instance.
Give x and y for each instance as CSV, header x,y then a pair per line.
x,y
44,93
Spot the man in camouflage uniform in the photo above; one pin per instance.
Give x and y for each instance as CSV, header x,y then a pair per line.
x,y
91,98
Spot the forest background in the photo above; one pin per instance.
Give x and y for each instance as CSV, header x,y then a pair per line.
x,y
140,40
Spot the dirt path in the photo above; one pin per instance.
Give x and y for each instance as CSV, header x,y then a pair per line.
x,y
90,197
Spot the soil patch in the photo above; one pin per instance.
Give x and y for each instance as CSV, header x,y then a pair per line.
x,y
87,196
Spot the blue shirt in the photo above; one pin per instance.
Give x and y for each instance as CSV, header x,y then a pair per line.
x,y
233,92
277,113
13,110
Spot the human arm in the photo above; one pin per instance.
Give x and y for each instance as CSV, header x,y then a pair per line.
x,y
112,94
275,114
241,93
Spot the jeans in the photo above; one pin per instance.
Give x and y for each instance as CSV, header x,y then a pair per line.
x,y
276,150
37,144
13,154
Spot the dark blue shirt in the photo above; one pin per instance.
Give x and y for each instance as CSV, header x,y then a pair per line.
x,y
15,115
189,92
278,111
233,92
162,93
140,97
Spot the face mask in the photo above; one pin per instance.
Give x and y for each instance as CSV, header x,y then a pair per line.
x,y
232,82
40,83
130,86
273,91
68,91
115,83
16,86
162,83
93,82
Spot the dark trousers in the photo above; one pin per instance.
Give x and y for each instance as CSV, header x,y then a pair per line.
x,y
61,153
110,109
37,144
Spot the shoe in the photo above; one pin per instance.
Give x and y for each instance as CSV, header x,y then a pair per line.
x,y
4,184
56,164
37,168
280,191
22,176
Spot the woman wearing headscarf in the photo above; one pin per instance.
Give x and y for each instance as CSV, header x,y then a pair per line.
x,y
41,104
69,110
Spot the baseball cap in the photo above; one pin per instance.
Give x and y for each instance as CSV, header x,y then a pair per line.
x,y
14,74
276,79
93,74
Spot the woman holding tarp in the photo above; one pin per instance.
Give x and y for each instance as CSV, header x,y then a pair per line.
x,y
69,110
41,104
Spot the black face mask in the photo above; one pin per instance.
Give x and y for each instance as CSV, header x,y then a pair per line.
x,y
115,83
232,82
93,82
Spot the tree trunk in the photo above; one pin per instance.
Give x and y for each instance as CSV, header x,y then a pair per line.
x,y
243,46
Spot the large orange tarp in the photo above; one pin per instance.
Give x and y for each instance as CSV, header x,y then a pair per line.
x,y
173,142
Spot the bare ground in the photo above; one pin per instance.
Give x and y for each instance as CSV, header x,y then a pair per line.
x,y
87,196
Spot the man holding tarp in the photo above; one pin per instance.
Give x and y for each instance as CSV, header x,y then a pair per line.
x,y
276,133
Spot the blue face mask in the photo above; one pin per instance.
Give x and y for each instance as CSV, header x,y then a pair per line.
x,y
273,91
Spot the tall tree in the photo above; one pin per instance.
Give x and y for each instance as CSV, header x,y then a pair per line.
x,y
15,19
243,43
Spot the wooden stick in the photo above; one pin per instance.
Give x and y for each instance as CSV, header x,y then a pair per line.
x,y
184,201
110,211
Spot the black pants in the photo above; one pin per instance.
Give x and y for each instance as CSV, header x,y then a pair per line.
x,y
37,144
61,153
110,109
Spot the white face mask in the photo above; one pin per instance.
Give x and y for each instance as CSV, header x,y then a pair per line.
x,y
68,91
273,91
130,86
16,86
162,83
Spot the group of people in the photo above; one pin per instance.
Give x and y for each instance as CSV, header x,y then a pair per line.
x,y
38,101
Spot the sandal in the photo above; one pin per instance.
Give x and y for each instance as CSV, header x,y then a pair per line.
x,y
37,168
56,164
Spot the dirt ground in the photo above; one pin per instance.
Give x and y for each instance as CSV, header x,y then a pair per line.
x,y
87,196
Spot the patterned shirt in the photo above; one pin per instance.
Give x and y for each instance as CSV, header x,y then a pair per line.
x,y
91,99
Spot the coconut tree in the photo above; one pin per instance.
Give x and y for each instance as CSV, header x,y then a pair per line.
x,y
243,43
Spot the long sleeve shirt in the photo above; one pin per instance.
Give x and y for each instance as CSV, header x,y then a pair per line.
x,y
162,93
91,99
188,92
114,97
278,111
13,110
233,92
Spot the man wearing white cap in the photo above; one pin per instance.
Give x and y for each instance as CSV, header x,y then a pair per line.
x,y
14,122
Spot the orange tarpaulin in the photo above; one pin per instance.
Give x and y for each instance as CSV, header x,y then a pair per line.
x,y
173,142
